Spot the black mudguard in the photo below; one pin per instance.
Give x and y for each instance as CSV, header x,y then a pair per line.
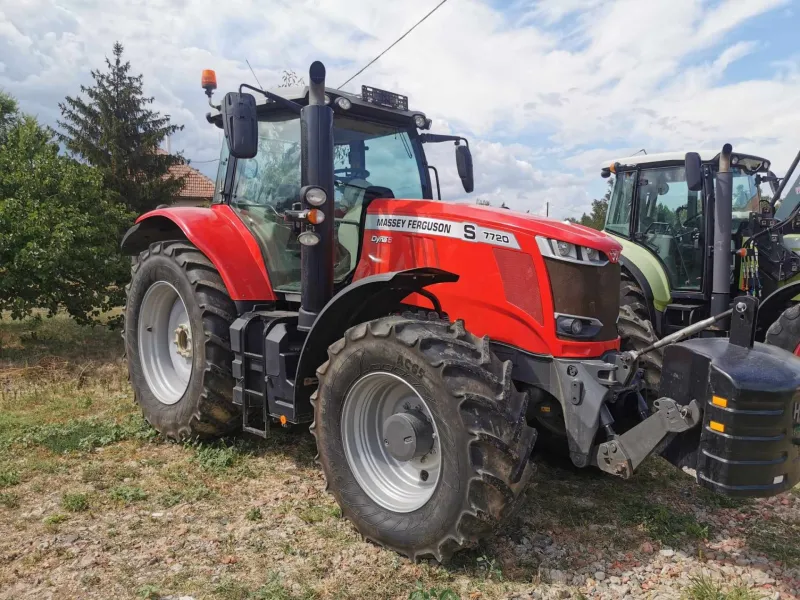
x,y
366,299
748,443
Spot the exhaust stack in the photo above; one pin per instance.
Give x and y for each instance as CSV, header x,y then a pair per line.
x,y
723,205
316,169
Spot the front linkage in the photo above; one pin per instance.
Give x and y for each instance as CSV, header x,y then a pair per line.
x,y
729,411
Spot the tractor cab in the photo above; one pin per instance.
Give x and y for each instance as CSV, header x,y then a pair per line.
x,y
653,209
378,153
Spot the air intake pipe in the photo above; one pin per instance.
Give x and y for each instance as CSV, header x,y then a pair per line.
x,y
723,206
316,169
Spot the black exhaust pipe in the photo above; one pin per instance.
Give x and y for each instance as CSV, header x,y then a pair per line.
x,y
723,206
316,168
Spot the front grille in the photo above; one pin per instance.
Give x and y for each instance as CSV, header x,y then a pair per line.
x,y
586,291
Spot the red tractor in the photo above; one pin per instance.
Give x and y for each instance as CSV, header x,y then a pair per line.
x,y
425,342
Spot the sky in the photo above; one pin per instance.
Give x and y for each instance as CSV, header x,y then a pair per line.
x,y
546,91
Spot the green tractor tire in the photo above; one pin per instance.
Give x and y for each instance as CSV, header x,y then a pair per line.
x,y
636,332
785,332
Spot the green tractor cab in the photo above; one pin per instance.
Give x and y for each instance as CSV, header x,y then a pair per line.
x,y
689,247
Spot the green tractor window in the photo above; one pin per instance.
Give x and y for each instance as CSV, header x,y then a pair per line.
x,y
619,211
670,223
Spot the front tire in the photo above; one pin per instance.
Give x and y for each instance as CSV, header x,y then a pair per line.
x,y
636,332
177,342
785,332
482,444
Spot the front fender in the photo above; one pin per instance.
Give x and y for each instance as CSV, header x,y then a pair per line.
x,y
366,299
772,306
219,234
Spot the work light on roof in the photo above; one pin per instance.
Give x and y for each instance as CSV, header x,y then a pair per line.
x,y
343,103
420,121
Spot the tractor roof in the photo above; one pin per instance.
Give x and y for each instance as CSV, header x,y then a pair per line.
x,y
360,107
751,162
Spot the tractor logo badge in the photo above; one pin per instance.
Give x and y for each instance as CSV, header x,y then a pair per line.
x,y
613,255
796,414
381,239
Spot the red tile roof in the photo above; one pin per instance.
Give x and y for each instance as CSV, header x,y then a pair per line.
x,y
196,185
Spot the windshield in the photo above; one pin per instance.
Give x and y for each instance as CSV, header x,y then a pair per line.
x,y
366,154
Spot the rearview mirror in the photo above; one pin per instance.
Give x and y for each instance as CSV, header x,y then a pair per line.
x,y
240,124
464,165
694,172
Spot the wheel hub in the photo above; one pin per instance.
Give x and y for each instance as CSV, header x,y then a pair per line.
x,y
183,340
391,442
407,435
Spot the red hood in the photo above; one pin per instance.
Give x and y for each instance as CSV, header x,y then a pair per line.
x,y
505,219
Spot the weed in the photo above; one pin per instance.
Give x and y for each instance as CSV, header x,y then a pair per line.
x,y
8,478
75,502
489,569
777,539
148,592
705,588
420,593
661,523
216,458
9,500
93,473
54,520
253,514
314,513
194,493
128,494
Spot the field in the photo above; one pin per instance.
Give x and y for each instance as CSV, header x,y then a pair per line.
x,y
94,505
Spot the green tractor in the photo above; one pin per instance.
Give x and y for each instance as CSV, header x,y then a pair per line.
x,y
695,233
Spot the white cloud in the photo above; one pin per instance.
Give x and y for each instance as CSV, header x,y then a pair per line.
x,y
580,78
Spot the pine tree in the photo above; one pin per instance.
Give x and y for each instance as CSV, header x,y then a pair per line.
x,y
114,129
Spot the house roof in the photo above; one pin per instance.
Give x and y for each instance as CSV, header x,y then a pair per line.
x,y
196,185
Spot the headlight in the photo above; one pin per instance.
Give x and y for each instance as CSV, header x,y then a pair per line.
x,y
562,250
308,238
316,196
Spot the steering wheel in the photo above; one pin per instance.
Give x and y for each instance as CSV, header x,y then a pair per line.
x,y
352,173
666,226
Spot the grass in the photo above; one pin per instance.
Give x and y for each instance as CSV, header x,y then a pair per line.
x,y
127,494
705,588
75,502
249,519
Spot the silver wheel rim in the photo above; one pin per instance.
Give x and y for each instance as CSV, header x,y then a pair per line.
x,y
165,342
397,486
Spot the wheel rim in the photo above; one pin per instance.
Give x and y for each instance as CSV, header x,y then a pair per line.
x,y
400,486
165,342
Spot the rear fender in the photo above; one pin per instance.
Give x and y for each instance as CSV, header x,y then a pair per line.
x,y
366,299
219,234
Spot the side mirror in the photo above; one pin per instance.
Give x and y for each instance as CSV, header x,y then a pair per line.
x,y
240,124
694,172
464,165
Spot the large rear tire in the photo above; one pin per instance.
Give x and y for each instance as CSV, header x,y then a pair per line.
x,y
637,332
468,417
785,332
177,342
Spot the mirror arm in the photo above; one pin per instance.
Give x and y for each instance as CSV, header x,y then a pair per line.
x,y
292,106
435,138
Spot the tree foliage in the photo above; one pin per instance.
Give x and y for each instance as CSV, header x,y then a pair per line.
x,y
59,231
596,219
114,129
9,114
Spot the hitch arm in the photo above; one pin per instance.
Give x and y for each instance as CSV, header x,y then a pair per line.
x,y
622,455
